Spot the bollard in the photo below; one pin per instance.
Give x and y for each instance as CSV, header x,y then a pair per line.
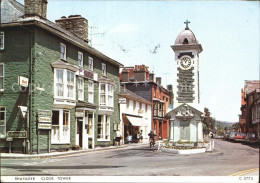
x,y
159,146
213,145
210,146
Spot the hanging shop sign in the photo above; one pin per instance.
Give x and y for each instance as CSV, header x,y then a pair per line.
x,y
16,134
23,81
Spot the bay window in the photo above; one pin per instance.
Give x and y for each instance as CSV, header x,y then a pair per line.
x,y
60,126
81,89
1,76
64,84
2,38
2,122
91,92
103,127
106,95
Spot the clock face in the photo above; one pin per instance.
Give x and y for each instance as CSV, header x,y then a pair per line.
x,y
185,62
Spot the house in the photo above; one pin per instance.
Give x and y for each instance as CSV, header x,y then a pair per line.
x,y
135,115
249,119
140,80
67,91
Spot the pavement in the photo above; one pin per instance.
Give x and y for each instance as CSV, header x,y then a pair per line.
x,y
65,153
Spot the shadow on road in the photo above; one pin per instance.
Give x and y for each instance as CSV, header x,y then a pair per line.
x,y
35,168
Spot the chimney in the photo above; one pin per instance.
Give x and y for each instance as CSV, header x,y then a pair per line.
x,y
158,80
139,73
151,77
125,75
35,8
76,24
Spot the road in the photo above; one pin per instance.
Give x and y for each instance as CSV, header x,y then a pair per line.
x,y
140,160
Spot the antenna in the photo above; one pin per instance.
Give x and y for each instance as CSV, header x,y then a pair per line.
x,y
94,33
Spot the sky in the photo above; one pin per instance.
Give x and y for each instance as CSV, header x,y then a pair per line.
x,y
129,31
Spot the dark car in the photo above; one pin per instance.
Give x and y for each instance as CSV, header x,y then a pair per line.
x,y
226,136
231,136
239,137
251,138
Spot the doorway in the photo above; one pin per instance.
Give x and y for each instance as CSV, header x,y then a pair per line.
x,y
79,131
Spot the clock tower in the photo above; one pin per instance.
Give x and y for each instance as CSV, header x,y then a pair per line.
x,y
187,50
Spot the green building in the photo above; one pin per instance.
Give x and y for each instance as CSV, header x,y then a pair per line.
x,y
56,91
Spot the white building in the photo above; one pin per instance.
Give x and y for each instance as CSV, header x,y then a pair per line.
x,y
185,118
135,115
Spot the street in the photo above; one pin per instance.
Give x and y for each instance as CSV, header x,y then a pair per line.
x,y
140,160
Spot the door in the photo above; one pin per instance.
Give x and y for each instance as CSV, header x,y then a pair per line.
x,y
79,131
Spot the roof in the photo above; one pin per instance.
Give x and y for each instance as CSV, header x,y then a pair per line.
x,y
186,34
251,85
195,108
12,12
129,94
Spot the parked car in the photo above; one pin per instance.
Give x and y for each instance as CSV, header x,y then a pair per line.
x,y
231,136
226,136
251,138
240,137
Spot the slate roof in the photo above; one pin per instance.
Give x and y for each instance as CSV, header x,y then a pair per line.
x,y
13,12
124,92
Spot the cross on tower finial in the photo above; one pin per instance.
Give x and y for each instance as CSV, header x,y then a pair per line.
x,y
187,22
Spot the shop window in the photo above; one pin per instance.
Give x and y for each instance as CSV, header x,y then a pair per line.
x,y
2,39
1,76
103,127
63,51
81,89
2,122
60,126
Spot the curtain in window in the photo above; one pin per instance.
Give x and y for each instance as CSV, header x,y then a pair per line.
x,y
70,84
59,83
102,94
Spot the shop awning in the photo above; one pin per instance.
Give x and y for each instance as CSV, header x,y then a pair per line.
x,y
137,121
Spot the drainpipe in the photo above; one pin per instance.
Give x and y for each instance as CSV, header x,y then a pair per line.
x,y
29,140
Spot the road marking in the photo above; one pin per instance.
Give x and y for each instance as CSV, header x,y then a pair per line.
x,y
244,172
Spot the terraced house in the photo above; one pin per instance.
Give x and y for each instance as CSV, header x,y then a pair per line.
x,y
56,91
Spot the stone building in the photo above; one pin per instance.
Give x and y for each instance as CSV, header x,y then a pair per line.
x,y
67,91
185,117
249,120
140,80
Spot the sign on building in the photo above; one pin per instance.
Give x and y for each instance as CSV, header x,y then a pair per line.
x,y
16,134
122,100
23,81
44,119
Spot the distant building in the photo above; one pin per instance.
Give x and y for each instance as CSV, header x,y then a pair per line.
x,y
249,119
135,115
140,80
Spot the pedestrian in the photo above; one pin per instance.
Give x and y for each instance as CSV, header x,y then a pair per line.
x,y
141,135
118,138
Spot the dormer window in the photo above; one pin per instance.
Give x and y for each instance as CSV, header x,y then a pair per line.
x,y
185,41
104,69
80,59
63,51
2,46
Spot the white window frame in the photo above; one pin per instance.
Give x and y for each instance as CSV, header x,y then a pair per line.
x,y
2,43
62,54
80,59
3,122
62,138
65,85
81,89
104,69
71,84
105,125
109,95
2,77
91,92
90,63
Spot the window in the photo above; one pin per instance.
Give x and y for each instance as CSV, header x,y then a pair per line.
x,y
81,89
90,123
103,127
2,45
2,122
63,51
90,63
91,92
106,95
59,83
134,105
64,84
60,126
1,76
70,84
104,69
80,59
